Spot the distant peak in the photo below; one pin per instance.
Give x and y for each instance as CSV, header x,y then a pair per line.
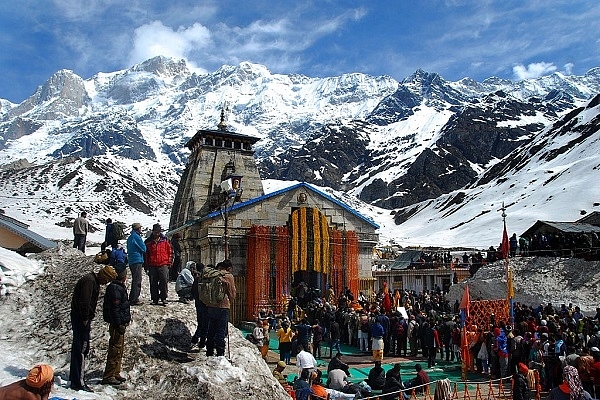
x,y
494,80
163,66
593,72
58,81
257,69
423,77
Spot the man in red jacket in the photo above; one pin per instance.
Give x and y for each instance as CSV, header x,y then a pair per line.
x,y
158,260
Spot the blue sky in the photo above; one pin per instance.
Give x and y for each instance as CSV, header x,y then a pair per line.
x,y
455,38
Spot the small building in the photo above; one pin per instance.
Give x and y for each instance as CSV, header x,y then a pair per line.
x,y
560,228
407,272
592,218
563,239
275,241
15,235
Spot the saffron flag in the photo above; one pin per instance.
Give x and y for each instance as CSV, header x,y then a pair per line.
x,y
511,289
387,301
505,244
465,301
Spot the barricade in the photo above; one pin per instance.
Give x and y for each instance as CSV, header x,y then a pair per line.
x,y
495,389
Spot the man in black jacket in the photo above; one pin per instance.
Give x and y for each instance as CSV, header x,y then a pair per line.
x,y
376,377
117,313
520,388
337,363
83,311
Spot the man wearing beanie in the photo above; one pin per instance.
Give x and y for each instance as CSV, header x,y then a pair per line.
x,y
520,390
278,373
159,258
37,385
117,313
83,311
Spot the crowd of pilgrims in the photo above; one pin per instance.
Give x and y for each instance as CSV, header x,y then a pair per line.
x,y
544,338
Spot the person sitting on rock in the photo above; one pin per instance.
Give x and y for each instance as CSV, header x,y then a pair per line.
x,y
184,281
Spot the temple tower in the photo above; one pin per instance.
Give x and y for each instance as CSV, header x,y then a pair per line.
x,y
216,155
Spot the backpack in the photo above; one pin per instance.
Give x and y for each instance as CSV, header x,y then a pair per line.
x,y
559,350
400,330
416,330
117,232
210,286
118,258
571,339
304,393
364,327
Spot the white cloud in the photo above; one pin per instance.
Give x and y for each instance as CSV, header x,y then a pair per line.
x,y
568,68
533,70
156,39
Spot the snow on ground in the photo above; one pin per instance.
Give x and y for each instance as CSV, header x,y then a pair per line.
x,y
158,360
538,280
15,269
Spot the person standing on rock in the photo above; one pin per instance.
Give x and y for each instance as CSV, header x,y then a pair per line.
x,y
136,249
81,227
218,314
117,313
176,268
159,258
83,311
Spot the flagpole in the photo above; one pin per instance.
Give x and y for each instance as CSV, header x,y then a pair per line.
x,y
464,345
505,254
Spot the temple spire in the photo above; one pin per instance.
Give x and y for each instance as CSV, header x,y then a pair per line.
x,y
222,125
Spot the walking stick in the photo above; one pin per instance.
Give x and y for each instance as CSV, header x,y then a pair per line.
x,y
228,345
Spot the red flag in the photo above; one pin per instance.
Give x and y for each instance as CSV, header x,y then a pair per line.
x,y
465,301
505,244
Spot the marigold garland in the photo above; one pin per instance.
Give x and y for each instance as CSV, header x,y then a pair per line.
x,y
351,252
306,244
317,263
295,261
258,269
282,262
303,240
326,257
337,261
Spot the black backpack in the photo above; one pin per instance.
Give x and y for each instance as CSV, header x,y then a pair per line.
x,y
117,232
416,330
364,327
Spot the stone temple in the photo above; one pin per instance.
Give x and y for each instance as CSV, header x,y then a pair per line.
x,y
276,240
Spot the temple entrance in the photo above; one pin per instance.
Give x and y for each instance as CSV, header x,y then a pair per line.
x,y
308,286
305,250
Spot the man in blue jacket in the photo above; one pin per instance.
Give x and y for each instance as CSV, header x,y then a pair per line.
x,y
136,248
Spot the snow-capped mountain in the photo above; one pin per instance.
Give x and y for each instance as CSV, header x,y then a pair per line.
x,y
113,144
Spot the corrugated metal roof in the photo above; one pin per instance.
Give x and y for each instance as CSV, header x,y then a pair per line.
x,y
277,193
404,260
38,241
573,227
566,227
592,218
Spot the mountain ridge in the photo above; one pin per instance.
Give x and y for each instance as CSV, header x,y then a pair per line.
x,y
387,143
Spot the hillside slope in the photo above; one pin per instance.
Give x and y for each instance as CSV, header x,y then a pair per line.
x,y
158,361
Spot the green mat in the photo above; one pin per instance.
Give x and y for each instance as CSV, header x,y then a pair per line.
x,y
442,370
